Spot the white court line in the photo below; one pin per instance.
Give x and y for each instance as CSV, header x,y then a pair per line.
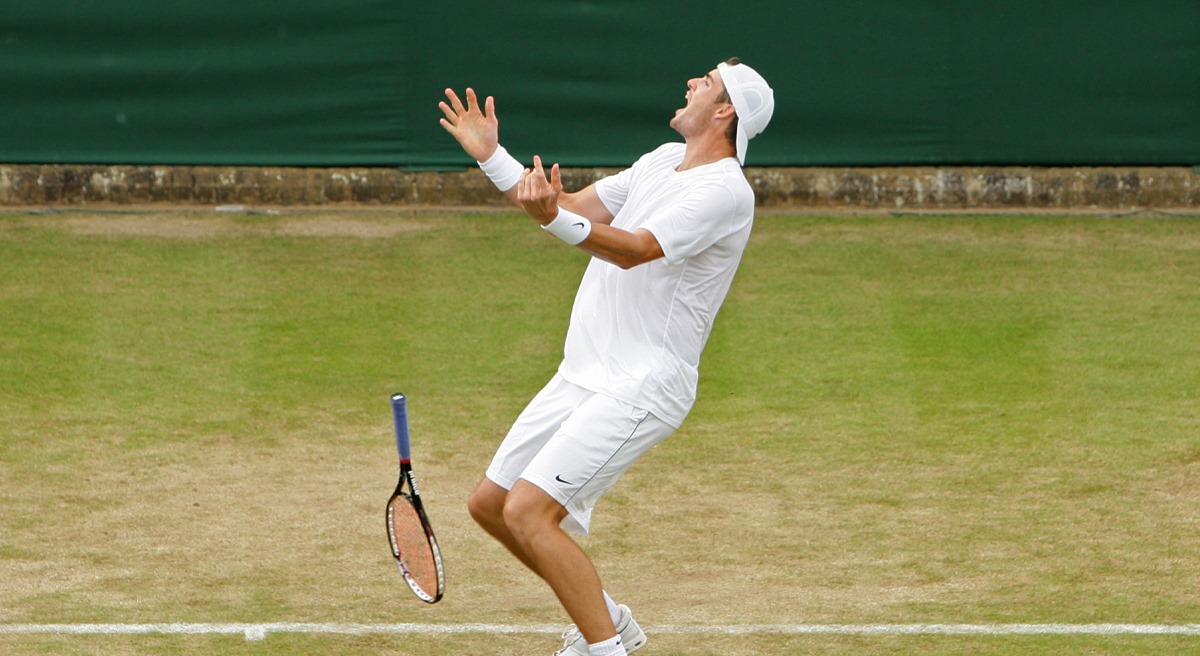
x,y
260,631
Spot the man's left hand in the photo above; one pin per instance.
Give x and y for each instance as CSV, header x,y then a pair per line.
x,y
537,195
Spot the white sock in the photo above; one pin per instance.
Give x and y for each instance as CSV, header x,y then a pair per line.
x,y
613,611
610,647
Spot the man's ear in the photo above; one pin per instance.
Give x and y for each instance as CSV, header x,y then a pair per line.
x,y
725,110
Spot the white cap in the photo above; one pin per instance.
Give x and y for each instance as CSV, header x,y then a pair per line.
x,y
753,101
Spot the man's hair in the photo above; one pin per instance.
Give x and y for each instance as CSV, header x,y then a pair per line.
x,y
731,131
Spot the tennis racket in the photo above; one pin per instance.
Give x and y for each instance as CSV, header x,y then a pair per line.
x,y
413,545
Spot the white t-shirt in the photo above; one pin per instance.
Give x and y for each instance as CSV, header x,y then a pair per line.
x,y
637,334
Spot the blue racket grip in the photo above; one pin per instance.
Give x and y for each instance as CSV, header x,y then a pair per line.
x,y
400,414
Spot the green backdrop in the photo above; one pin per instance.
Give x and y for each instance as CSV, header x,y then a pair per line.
x,y
356,82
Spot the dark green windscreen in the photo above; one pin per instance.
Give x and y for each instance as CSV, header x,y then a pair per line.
x,y
356,82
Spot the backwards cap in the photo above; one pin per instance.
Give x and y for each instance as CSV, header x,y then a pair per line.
x,y
752,99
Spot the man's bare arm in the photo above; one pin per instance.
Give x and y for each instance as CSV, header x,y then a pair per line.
x,y
586,202
621,247
541,199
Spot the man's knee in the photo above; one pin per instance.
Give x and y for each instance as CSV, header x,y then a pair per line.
x,y
529,509
486,503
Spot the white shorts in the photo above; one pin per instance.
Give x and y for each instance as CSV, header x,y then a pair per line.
x,y
575,444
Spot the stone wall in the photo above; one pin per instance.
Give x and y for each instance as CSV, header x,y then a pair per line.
x,y
870,188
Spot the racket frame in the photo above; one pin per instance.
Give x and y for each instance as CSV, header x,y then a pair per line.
x,y
412,497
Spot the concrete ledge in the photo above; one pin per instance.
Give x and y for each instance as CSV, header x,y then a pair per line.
x,y
978,187
875,188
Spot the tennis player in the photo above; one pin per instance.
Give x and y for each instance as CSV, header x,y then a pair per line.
x,y
666,237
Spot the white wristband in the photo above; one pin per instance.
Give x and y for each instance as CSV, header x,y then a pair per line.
x,y
502,169
569,227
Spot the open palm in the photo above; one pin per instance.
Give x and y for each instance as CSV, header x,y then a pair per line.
x,y
476,130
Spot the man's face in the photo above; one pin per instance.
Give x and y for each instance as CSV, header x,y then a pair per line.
x,y
702,94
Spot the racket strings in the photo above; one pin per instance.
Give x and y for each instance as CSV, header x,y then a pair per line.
x,y
411,546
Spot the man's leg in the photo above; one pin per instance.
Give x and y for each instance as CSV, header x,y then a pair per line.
x,y
566,434
487,508
532,519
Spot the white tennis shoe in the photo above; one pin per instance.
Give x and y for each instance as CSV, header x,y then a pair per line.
x,y
631,634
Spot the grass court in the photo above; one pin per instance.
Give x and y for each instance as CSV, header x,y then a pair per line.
x,y
902,420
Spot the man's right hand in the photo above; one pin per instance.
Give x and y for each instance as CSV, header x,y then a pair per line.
x,y
476,131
